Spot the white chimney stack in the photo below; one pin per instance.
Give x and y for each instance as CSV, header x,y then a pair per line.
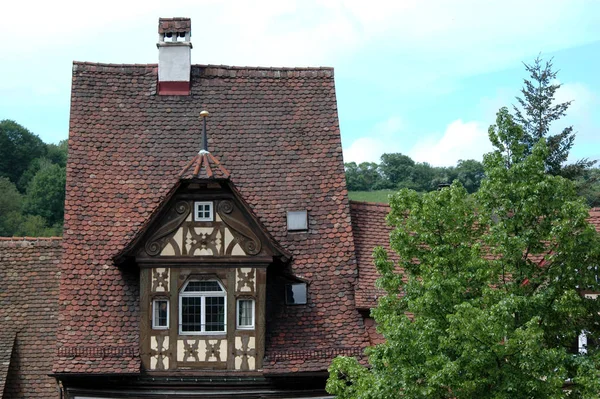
x,y
174,56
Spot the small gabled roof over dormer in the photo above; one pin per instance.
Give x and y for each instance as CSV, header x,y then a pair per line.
x,y
204,164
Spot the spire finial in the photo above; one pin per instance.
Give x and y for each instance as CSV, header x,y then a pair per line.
x,y
203,115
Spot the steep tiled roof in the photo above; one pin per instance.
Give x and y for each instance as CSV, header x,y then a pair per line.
x,y
275,129
29,274
370,230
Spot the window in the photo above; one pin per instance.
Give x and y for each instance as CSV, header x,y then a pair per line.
x,y
202,308
245,314
203,211
297,220
160,314
295,294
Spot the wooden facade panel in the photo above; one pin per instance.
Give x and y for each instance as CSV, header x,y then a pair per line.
x,y
230,249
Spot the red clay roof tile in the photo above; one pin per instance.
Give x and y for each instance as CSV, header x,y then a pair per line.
x,y
28,315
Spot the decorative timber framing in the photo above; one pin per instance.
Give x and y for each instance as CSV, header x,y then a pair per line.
x,y
232,249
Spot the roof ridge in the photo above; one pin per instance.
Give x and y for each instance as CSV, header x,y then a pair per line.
x,y
365,204
220,66
34,239
14,242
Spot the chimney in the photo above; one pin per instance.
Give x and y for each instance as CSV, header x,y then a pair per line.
x,y
174,56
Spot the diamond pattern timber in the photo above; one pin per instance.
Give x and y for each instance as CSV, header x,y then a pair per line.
x,y
246,281
159,355
206,239
245,353
202,350
160,280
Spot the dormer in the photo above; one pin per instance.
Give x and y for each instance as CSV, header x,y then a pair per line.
x,y
203,259
203,262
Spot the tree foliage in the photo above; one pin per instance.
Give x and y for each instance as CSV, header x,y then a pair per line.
x,y
46,194
18,147
538,110
32,190
491,301
400,171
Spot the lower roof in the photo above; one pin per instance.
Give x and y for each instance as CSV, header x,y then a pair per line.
x,y
29,274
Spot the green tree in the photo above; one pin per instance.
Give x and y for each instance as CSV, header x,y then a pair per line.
x,y
363,177
34,167
588,186
538,111
470,173
57,153
396,168
492,299
46,194
10,207
18,147
422,176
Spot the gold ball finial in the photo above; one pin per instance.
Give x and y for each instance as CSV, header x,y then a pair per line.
x,y
203,114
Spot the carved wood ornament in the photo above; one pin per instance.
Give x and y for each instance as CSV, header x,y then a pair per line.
x,y
228,235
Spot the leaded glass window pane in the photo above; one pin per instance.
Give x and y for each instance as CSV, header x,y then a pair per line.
x,y
191,314
202,307
203,286
215,314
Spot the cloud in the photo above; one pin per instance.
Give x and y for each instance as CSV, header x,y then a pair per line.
x,y
380,140
583,99
460,140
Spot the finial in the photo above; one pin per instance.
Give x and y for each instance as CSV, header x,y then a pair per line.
x,y
203,116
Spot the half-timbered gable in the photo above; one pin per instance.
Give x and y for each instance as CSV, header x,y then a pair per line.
x,y
203,262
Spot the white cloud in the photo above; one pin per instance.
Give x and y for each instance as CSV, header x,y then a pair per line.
x,y
379,141
365,149
460,140
583,99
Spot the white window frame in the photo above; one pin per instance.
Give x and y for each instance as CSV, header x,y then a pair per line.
x,y
197,205
237,314
155,326
203,295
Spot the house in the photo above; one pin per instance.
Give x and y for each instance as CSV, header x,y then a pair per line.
x,y
208,247
209,250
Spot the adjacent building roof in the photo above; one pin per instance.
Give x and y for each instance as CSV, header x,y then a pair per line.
x,y
28,316
370,230
277,131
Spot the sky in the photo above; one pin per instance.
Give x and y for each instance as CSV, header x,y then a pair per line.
x,y
421,77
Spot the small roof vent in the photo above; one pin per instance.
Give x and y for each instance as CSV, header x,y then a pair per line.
x,y
297,221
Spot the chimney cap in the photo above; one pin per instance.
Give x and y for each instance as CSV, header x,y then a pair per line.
x,y
174,25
